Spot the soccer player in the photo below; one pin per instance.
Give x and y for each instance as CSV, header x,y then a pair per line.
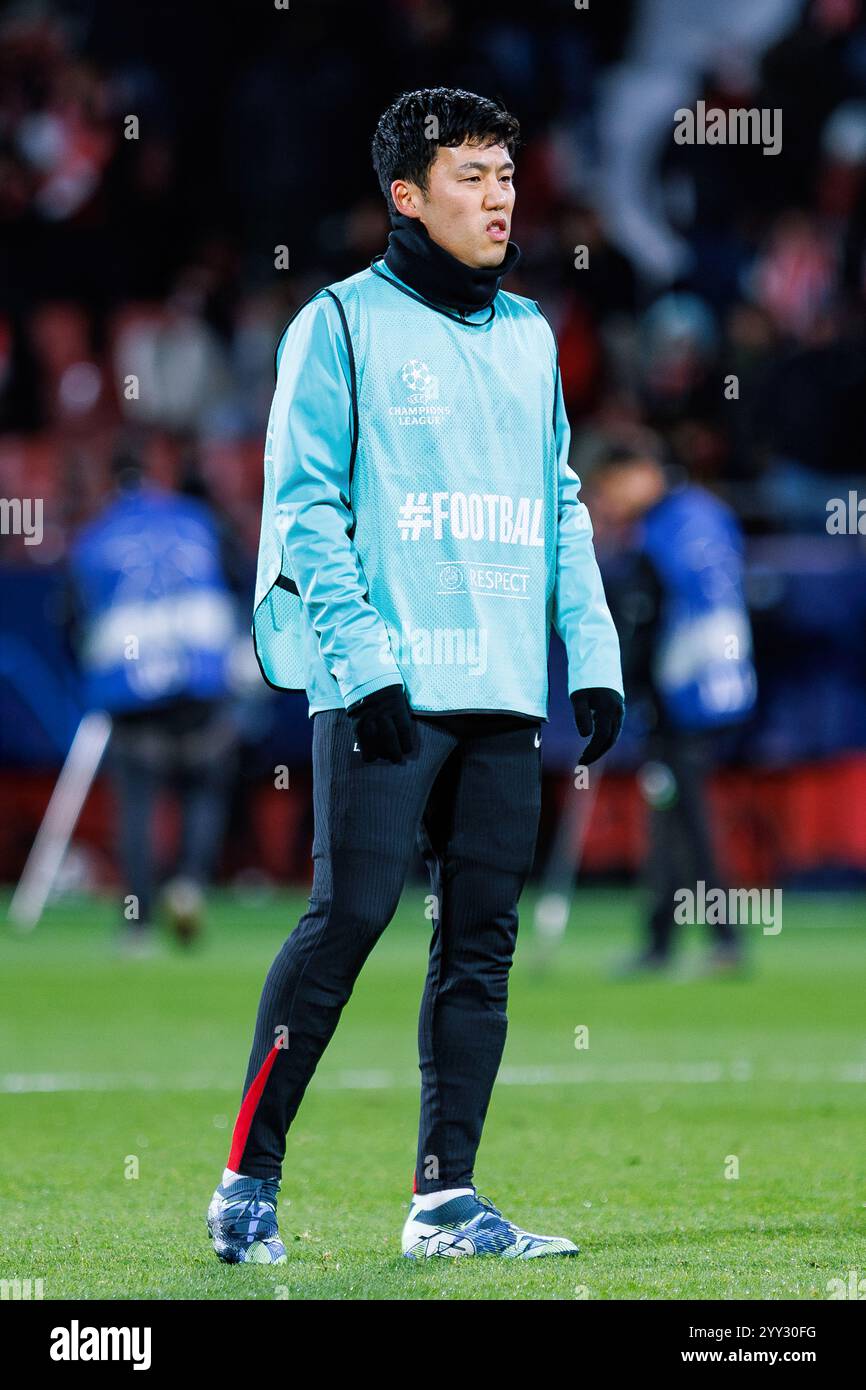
x,y
421,530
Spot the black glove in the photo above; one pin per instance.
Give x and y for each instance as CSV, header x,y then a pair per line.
x,y
598,712
384,727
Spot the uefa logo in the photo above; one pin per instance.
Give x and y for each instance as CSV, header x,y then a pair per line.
x,y
419,381
450,577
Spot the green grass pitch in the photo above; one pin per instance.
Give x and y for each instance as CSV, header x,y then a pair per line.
x,y
112,1067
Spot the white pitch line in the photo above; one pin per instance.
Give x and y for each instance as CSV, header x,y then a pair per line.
x,y
587,1073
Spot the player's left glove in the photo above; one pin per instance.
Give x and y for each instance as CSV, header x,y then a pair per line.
x,y
598,713
384,726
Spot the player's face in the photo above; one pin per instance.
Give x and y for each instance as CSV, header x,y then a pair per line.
x,y
468,204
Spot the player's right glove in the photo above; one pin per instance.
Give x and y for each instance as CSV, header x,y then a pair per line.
x,y
383,722
598,712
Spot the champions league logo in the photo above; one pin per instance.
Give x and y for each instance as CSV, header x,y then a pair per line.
x,y
423,393
419,381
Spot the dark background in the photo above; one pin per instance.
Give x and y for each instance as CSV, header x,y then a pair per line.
x,y
255,126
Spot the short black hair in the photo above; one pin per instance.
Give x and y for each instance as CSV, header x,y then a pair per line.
x,y
404,148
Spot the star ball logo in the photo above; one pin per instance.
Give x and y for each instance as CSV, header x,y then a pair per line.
x,y
419,381
421,405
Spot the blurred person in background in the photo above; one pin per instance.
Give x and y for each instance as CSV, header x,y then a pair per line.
x,y
673,44
687,657
155,623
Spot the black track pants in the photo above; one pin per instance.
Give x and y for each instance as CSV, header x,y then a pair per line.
x,y
469,796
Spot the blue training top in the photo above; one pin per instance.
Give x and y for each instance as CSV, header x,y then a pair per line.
x,y
420,521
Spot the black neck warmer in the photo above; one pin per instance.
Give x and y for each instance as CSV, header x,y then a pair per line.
x,y
431,271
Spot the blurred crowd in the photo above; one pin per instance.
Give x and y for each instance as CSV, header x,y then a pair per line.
x,y
176,180
154,160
